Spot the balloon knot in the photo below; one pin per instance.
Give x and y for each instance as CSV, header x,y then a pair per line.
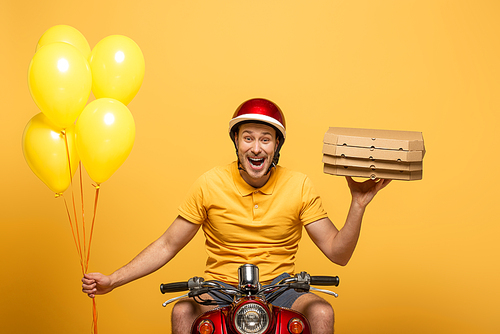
x,y
58,195
97,186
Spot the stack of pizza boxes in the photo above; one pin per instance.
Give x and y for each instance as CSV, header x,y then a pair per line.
x,y
385,154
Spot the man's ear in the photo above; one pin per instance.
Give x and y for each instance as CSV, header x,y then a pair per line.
x,y
236,139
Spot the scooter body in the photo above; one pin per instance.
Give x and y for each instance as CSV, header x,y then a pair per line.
x,y
248,308
224,319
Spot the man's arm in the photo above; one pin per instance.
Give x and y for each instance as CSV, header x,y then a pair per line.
x,y
149,260
337,245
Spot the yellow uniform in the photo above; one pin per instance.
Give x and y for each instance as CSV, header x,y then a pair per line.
x,y
243,224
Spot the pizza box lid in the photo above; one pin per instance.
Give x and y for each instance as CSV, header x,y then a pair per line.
x,y
373,153
373,164
372,174
374,138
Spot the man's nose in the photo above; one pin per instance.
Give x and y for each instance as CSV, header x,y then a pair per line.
x,y
256,148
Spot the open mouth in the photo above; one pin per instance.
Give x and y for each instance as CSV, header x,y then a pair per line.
x,y
256,162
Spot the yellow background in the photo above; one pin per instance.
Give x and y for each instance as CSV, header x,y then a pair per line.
x,y
427,260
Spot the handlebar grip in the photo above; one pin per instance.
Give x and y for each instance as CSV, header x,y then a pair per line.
x,y
174,287
325,280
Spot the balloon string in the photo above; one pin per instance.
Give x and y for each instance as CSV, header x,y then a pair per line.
x,y
77,237
77,229
97,188
83,207
73,233
63,132
94,316
94,306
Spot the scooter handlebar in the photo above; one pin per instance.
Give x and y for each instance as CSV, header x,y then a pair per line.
x,y
174,287
325,280
314,280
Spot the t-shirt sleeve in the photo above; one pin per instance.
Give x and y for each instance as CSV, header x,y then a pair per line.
x,y
193,208
312,206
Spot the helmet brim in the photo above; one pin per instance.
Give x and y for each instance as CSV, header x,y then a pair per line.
x,y
247,118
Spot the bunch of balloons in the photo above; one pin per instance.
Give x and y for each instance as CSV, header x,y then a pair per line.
x,y
61,75
101,134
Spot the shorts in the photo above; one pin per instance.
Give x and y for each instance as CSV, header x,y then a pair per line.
x,y
286,299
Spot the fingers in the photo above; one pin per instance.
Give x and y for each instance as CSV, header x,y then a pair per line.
x,y
355,184
92,276
90,292
364,185
382,184
89,289
87,280
89,286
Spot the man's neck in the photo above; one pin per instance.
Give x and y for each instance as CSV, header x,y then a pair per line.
x,y
256,183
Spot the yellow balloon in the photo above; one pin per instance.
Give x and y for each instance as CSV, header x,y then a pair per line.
x,y
65,34
44,148
117,66
60,81
105,133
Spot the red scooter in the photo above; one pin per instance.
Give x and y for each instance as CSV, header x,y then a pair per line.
x,y
250,310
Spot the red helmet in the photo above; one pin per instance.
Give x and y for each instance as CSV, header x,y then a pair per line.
x,y
260,111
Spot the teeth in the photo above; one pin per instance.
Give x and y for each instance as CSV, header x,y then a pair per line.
x,y
258,161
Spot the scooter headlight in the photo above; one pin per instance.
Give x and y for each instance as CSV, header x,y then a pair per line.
x,y
251,318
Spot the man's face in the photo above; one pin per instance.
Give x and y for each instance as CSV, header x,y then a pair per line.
x,y
256,146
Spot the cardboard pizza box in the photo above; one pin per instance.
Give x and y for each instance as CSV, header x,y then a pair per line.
x,y
372,174
373,164
375,139
372,153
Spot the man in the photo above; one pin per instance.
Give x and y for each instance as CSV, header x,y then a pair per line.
x,y
251,211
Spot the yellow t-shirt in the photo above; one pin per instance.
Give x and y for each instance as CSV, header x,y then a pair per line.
x,y
243,224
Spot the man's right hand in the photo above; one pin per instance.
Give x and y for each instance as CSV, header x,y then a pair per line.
x,y
96,284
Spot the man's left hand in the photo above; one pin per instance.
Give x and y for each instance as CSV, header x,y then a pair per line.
x,y
363,192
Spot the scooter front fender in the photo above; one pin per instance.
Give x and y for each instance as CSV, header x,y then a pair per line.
x,y
221,321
